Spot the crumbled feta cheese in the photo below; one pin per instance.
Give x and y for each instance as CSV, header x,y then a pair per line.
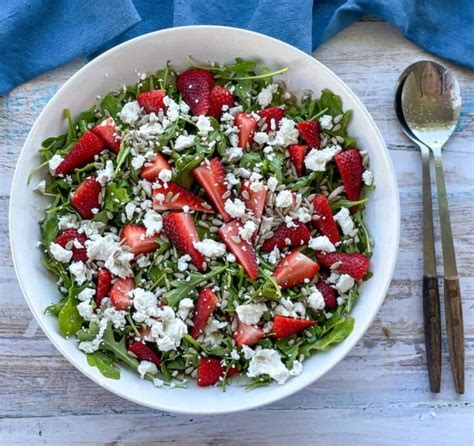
x,y
173,109
79,271
231,179
68,221
145,303
130,209
86,311
268,362
269,153
315,299
235,355
272,183
59,253
274,256
250,313
265,95
368,177
344,219
165,175
326,122
235,208
183,262
54,163
234,154
230,258
130,112
286,135
247,230
183,142
153,222
317,159
256,186
210,248
204,126
158,382
92,346
289,222
284,199
303,215
143,261
167,330
321,243
344,283
86,294
41,187
185,306
138,162
106,174
261,138
146,367
289,308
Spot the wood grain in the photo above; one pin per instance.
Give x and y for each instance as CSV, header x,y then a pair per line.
x,y
378,395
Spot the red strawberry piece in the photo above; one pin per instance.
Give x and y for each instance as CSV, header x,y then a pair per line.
x,y
180,229
120,293
297,155
150,171
287,326
254,197
247,334
296,235
309,131
104,285
350,167
82,153
247,126
66,240
135,238
195,86
211,177
108,132
185,198
211,370
152,101
324,221
220,96
205,305
243,250
354,264
275,113
329,295
294,269
144,353
86,197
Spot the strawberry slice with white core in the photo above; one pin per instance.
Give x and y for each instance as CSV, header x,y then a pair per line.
x,y
220,96
295,234
247,334
135,238
309,131
254,195
211,371
247,126
180,198
297,155
195,86
205,305
323,220
108,132
121,293
74,241
86,198
104,285
294,269
144,353
354,264
150,171
152,101
287,326
272,117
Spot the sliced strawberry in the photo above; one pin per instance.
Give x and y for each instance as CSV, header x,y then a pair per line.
x,y
150,171
152,101
135,238
220,96
184,198
294,269
243,250
297,155
67,238
309,131
254,197
247,126
354,264
211,177
324,221
104,285
297,235
144,353
247,334
82,153
121,293
195,86
350,167
329,295
86,197
180,229
287,326
108,132
205,305
210,371
273,113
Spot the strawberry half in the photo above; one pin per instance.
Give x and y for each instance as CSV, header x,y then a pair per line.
x,y
309,131
86,197
349,164
329,295
120,293
297,155
205,305
247,334
211,177
150,171
152,101
108,132
66,240
135,238
297,235
275,113
354,264
254,199
220,96
287,326
247,126
325,222
82,153
180,230
195,86
184,198
104,285
210,371
294,269
243,250
144,353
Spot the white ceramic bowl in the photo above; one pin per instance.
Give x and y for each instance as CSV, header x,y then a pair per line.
x,y
146,54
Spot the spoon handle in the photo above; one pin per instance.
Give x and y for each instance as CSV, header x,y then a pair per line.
x,y
431,307
452,290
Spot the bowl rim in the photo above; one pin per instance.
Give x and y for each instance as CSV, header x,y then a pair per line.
x,y
284,390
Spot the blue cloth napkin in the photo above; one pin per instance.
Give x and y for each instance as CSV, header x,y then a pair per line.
x,y
38,35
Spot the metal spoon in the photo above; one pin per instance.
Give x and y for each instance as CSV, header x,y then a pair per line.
x,y
431,105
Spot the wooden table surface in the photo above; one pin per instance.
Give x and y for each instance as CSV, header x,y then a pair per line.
x,y
378,395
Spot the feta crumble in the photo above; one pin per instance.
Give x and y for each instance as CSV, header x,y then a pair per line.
x,y
344,219
284,199
210,248
368,177
250,313
130,112
317,159
344,283
59,253
321,243
184,142
265,95
235,208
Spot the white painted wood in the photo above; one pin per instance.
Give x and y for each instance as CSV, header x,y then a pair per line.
x,y
377,395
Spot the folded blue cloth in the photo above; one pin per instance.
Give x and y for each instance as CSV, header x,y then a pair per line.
x,y
37,35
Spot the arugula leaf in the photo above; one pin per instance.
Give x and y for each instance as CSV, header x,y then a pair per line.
x,y
88,334
69,318
111,104
118,348
184,166
115,197
49,229
330,101
105,363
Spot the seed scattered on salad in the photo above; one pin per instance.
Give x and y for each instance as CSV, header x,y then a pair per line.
x,y
206,224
